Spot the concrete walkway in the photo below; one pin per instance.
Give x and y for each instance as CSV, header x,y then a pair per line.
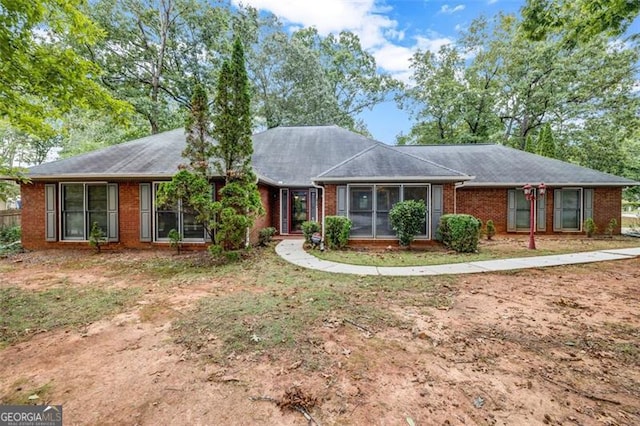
x,y
292,251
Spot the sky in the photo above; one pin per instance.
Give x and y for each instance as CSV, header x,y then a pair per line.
x,y
391,30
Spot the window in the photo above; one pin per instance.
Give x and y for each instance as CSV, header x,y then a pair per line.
x,y
83,204
523,212
369,207
179,217
568,206
361,210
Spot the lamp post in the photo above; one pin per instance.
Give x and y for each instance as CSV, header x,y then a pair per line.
x,y
531,193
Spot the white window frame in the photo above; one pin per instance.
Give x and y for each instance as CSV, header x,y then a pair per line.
x,y
580,204
402,186
85,195
180,218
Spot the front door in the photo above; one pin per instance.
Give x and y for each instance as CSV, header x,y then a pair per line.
x,y
299,209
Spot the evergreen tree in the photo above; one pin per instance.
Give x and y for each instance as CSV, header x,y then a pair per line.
x,y
529,145
546,146
200,148
232,117
240,200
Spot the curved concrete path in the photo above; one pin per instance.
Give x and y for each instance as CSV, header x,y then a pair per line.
x,y
292,251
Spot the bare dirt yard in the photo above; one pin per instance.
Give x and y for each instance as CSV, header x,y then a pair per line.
x,y
157,338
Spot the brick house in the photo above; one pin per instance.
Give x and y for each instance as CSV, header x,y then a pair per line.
x,y
307,173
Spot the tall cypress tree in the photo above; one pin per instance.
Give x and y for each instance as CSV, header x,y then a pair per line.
x,y
529,144
232,117
240,200
546,144
199,149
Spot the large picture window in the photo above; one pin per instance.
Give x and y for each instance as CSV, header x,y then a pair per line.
x,y
83,204
179,217
369,207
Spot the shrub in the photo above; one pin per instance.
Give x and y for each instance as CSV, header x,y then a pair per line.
x,y
10,234
96,237
613,224
491,229
175,240
590,227
337,230
459,232
266,235
407,219
308,229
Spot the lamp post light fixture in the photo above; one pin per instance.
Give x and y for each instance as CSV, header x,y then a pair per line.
x,y
532,193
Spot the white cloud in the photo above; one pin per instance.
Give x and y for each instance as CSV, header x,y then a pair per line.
x,y
378,33
492,2
449,10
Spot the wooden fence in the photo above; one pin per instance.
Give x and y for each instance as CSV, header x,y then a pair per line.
x,y
9,218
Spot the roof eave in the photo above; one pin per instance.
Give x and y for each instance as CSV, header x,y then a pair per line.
x,y
361,179
550,184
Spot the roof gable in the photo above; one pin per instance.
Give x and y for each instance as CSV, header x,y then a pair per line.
x,y
385,163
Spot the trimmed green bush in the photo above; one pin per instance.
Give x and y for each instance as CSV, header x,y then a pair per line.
x,y
308,229
459,232
96,237
407,219
10,234
490,229
337,230
266,235
590,227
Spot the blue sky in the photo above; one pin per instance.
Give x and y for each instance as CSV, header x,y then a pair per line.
x,y
391,31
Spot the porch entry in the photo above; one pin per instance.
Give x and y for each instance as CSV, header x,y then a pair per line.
x,y
297,205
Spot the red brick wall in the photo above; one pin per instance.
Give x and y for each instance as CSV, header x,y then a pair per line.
x,y
491,203
485,204
33,216
607,205
331,200
265,220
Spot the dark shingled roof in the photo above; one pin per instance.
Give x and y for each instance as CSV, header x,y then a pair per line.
x,y
498,165
295,155
152,156
385,163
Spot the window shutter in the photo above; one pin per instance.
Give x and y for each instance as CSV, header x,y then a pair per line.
x,y
437,207
145,212
50,212
313,205
341,208
557,210
284,211
588,203
112,211
511,210
541,215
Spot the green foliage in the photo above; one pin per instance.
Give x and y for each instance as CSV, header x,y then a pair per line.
x,y
308,229
459,232
96,237
266,235
10,234
577,21
232,117
529,145
407,219
337,229
43,76
590,227
546,146
490,229
200,148
175,240
193,190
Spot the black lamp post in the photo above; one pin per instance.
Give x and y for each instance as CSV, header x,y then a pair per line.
x,y
530,194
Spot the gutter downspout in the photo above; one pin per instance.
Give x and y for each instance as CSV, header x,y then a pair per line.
x,y
324,206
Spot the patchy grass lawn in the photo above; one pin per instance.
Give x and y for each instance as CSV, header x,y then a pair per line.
x,y
197,343
498,248
27,312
